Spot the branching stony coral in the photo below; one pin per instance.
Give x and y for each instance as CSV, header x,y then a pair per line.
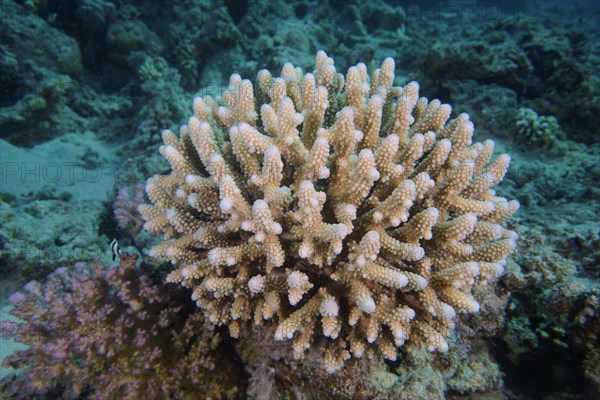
x,y
343,212
103,333
535,129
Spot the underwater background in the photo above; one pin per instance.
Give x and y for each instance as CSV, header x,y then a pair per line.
x,y
87,86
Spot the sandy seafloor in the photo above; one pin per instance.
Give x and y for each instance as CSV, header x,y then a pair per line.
x,y
88,85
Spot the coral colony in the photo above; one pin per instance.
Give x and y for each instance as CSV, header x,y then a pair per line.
x,y
340,212
111,333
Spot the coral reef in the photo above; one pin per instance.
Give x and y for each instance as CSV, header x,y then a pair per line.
x,y
551,332
91,83
417,374
550,66
37,80
342,212
108,333
159,84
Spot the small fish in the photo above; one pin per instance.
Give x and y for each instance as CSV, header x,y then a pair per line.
x,y
114,247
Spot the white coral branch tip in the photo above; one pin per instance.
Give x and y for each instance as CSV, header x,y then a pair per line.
x,y
329,307
256,284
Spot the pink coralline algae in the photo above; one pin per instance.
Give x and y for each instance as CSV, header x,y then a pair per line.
x,y
114,333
